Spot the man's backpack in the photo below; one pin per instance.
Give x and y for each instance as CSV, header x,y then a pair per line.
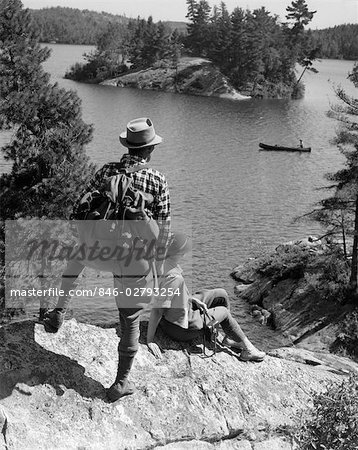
x,y
112,221
117,199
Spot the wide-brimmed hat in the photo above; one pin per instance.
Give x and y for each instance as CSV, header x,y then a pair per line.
x,y
140,133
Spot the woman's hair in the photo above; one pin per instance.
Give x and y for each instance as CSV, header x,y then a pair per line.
x,y
180,243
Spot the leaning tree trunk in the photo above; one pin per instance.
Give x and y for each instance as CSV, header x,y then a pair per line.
x,y
354,269
343,226
304,70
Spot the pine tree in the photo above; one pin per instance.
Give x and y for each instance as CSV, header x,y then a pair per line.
x,y
198,38
302,46
49,164
220,37
112,43
162,42
175,47
346,179
149,50
138,41
191,16
47,148
253,50
299,14
238,37
156,42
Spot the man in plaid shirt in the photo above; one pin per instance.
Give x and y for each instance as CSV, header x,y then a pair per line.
x,y
140,139
147,180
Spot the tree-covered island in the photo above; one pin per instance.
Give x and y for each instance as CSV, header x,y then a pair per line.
x,y
255,53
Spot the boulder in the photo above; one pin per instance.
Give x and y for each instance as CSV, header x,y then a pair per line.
x,y
244,273
52,394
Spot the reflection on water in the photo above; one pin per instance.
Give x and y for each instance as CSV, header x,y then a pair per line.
x,y
237,198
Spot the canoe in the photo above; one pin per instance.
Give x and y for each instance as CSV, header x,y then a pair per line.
x,y
281,148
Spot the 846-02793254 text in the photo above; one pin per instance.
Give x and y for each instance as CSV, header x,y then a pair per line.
x,y
96,291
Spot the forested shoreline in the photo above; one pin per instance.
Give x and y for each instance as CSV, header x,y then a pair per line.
x,y
339,42
83,27
63,25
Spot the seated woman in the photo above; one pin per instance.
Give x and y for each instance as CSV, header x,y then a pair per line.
x,y
179,313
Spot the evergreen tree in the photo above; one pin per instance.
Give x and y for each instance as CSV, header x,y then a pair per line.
x,y
335,215
339,213
175,47
149,50
191,16
49,164
238,71
163,42
150,42
112,43
301,44
254,66
346,179
156,43
299,15
47,147
198,41
137,32
268,38
108,60
220,37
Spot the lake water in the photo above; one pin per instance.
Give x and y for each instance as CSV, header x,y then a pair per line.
x,y
236,199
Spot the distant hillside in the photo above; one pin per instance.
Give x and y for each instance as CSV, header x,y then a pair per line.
x,y
339,42
180,26
73,26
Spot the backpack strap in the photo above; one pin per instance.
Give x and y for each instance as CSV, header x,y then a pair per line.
x,y
118,184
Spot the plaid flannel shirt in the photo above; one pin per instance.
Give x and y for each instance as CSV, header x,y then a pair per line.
x,y
146,180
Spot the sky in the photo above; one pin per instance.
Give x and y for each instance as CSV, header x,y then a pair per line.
x,y
329,12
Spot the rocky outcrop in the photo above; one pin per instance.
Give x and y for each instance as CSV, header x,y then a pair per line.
x,y
52,394
291,285
195,76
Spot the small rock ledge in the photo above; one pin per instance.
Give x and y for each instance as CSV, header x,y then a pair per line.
x,y
52,394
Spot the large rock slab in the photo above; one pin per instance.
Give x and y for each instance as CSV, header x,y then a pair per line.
x,y
52,394
194,76
326,361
